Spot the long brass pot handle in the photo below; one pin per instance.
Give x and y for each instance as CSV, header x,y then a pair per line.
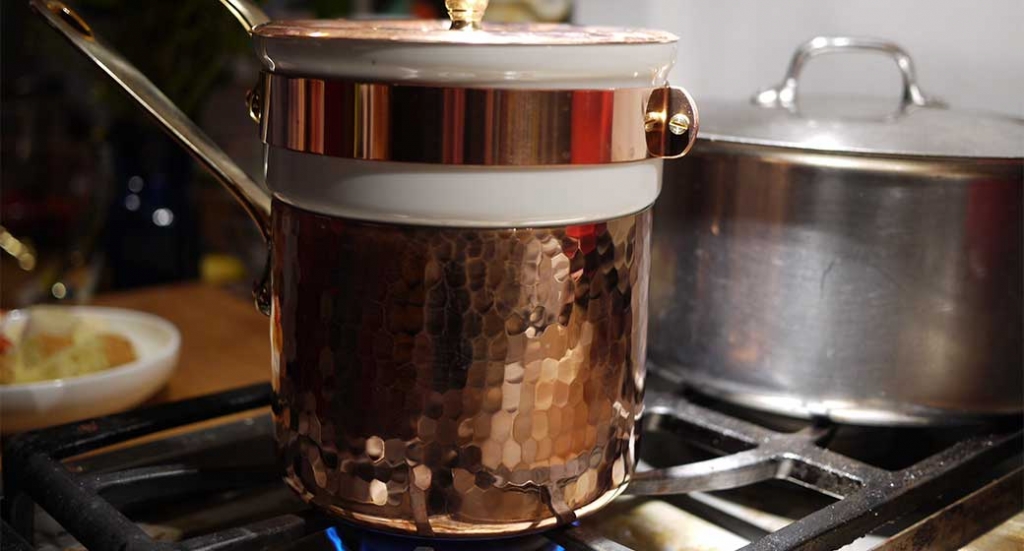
x,y
253,197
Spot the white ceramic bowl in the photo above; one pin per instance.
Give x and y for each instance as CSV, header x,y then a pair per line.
x,y
26,406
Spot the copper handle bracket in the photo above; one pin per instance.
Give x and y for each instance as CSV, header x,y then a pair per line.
x,y
377,121
670,123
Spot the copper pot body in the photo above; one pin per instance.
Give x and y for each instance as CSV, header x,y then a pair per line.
x,y
458,382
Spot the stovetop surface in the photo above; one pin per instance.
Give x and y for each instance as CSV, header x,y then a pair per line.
x,y
718,478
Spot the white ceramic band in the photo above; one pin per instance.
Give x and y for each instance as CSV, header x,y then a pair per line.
x,y
461,196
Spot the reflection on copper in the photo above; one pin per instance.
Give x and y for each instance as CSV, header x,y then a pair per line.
x,y
472,126
453,115
592,121
316,116
294,94
458,382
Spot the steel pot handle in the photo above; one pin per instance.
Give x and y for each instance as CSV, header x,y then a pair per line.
x,y
254,197
784,94
249,15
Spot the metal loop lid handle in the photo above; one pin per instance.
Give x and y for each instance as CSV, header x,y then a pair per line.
x,y
254,197
784,95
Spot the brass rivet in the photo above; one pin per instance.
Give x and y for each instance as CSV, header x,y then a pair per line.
x,y
653,121
679,124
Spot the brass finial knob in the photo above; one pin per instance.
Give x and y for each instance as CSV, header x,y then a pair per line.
x,y
466,14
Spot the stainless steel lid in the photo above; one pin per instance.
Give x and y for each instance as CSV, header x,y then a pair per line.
x,y
917,125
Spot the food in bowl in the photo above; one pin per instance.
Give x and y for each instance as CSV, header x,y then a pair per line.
x,y
55,344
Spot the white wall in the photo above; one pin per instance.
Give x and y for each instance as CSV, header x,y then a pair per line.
x,y
968,52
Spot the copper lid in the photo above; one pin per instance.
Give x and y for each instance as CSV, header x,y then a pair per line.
x,y
466,16
465,52
438,32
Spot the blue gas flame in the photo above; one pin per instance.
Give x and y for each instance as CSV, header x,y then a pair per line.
x,y
335,539
332,534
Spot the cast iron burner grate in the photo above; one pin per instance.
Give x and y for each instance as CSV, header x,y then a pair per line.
x,y
952,496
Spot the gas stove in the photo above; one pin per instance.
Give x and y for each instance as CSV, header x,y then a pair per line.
x,y
201,475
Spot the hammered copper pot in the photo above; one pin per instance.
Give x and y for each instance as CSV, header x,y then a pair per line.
x,y
458,381
459,227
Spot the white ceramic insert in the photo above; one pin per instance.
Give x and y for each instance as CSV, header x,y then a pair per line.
x,y
462,196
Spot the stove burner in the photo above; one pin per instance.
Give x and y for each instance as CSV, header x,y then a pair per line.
x,y
978,476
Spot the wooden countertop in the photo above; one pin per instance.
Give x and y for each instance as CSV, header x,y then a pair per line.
x,y
225,342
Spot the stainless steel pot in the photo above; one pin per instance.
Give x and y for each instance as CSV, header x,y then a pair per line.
x,y
816,258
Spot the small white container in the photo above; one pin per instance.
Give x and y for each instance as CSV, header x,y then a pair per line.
x,y
156,341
